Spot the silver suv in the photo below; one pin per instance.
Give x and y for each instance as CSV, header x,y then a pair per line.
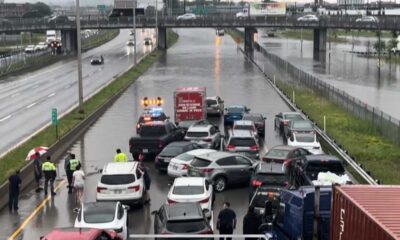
x,y
215,105
205,134
223,168
243,142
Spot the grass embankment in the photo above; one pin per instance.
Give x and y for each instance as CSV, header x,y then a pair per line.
x,y
360,138
16,158
102,38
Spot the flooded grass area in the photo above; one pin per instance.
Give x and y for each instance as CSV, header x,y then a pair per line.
x,y
360,138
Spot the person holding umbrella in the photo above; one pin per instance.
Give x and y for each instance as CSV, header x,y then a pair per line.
x,y
37,166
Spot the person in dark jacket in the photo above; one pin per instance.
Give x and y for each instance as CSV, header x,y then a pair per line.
x,y
251,222
15,182
226,222
37,166
146,180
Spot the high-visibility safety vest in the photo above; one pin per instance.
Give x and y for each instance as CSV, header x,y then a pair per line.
x,y
73,163
48,166
120,157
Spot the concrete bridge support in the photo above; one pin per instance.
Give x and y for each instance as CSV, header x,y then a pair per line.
x,y
320,35
162,38
69,41
249,39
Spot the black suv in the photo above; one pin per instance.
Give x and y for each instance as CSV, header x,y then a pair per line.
x,y
270,175
182,218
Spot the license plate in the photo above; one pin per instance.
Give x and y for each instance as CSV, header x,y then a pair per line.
x,y
145,150
175,167
167,159
117,191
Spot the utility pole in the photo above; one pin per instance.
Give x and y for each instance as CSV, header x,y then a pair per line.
x,y
134,31
156,22
79,56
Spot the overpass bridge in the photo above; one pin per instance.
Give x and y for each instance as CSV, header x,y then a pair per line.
x,y
320,27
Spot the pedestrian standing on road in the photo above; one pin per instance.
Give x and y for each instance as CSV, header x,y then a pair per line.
x,y
71,167
251,222
226,222
49,172
120,156
78,183
147,182
37,166
14,184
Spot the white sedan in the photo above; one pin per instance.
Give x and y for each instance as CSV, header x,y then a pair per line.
x,y
192,189
104,215
307,141
367,19
308,18
179,165
30,49
186,16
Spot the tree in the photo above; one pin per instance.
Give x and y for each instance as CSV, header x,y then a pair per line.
x,y
38,10
379,47
392,44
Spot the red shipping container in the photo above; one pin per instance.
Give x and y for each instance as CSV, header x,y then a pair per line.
x,y
190,104
365,212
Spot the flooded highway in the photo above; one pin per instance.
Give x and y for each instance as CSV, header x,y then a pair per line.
x,y
357,75
199,58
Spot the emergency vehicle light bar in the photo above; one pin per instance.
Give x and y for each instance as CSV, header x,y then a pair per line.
x,y
157,101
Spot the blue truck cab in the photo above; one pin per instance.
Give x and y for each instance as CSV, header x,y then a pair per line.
x,y
295,216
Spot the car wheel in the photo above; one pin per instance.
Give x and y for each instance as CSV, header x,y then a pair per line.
x,y
219,184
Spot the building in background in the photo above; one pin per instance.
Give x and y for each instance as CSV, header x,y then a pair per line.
x,y
13,10
350,2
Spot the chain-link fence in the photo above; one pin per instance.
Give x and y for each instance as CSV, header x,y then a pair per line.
x,y
283,70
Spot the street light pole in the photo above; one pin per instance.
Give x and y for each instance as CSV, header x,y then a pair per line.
x,y
79,57
134,31
156,22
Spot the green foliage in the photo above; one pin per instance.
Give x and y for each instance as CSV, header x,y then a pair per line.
x,y
38,10
379,46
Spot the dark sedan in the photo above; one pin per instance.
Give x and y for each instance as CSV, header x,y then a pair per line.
x,y
284,153
259,121
270,175
282,120
97,60
172,150
234,113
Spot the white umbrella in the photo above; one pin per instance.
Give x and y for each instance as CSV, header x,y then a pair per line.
x,y
32,153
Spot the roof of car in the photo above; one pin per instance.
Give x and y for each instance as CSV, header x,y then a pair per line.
x,y
241,133
283,147
212,97
73,234
252,115
120,168
286,113
214,156
189,181
181,211
323,157
201,151
243,122
236,106
104,206
199,128
179,144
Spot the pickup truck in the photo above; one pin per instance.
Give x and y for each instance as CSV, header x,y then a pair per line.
x,y
153,137
303,172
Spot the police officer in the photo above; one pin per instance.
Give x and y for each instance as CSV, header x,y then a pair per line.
x,y
120,156
70,167
49,172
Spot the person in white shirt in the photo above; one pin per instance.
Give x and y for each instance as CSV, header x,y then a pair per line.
x,y
78,183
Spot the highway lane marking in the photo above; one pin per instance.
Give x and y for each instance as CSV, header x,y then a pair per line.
x,y
31,105
50,95
5,118
34,213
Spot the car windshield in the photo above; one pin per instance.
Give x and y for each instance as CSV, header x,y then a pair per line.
x,y
185,157
197,134
118,179
279,153
211,101
293,117
102,213
253,118
188,190
242,142
153,131
307,138
186,226
199,162
171,151
236,109
302,125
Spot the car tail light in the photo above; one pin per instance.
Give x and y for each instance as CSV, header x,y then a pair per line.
x,y
160,144
286,163
185,166
230,147
207,170
256,183
135,188
99,189
204,200
147,118
254,148
138,126
170,201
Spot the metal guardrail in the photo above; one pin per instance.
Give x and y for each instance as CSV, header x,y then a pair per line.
x,y
205,21
342,153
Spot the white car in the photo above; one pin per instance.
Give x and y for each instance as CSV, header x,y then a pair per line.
x,y
245,125
367,19
104,215
205,134
41,46
186,16
307,141
308,18
121,181
179,165
30,49
130,42
192,189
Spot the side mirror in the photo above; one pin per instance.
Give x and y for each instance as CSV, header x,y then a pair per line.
x,y
100,170
126,207
154,212
207,213
75,210
291,138
277,116
264,118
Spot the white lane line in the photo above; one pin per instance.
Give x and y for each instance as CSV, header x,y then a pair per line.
x,y
15,94
50,95
5,118
31,105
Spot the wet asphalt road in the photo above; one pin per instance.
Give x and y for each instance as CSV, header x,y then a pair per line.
x,y
198,59
31,96
358,76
